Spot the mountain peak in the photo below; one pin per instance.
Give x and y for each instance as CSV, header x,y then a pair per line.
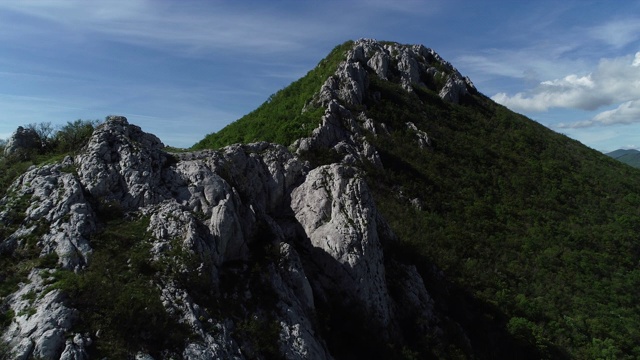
x,y
408,65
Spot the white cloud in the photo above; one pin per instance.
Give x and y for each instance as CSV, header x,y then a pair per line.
x,y
191,27
636,60
210,27
626,113
617,33
613,81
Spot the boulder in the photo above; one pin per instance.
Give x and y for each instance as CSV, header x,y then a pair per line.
x,y
22,141
123,164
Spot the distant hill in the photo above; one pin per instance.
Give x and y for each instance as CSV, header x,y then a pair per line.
x,y
629,157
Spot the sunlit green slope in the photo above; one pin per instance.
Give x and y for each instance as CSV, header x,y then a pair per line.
x,y
287,115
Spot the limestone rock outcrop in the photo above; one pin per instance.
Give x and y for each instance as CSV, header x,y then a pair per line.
x,y
220,208
349,88
421,136
59,209
121,163
337,212
413,65
42,321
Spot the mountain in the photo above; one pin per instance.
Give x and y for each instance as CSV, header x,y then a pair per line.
x,y
379,207
629,157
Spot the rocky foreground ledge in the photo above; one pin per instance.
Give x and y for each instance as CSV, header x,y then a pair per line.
x,y
317,230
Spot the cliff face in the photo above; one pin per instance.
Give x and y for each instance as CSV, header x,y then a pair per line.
x,y
245,252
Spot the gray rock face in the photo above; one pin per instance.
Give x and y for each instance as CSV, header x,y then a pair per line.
x,y
338,214
298,337
75,349
421,136
453,90
22,140
413,65
379,62
58,203
217,208
123,164
41,323
235,190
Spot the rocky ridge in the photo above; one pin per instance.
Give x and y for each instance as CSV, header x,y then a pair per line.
x,y
409,65
272,240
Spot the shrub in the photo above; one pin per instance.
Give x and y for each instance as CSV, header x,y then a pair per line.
x,y
117,294
66,140
72,136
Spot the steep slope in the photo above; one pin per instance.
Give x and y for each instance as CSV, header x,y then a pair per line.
x,y
629,157
536,231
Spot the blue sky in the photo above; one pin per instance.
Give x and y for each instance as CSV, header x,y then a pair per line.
x,y
183,69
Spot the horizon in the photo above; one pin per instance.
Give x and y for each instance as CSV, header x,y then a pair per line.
x,y
184,70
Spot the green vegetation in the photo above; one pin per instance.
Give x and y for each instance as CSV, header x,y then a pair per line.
x,y
175,150
536,234
288,115
524,220
15,265
73,135
116,294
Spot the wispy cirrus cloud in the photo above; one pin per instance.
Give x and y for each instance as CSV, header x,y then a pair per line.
x,y
188,28
616,33
183,26
525,64
196,27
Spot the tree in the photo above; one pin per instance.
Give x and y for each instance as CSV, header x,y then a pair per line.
x,y
75,134
45,132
